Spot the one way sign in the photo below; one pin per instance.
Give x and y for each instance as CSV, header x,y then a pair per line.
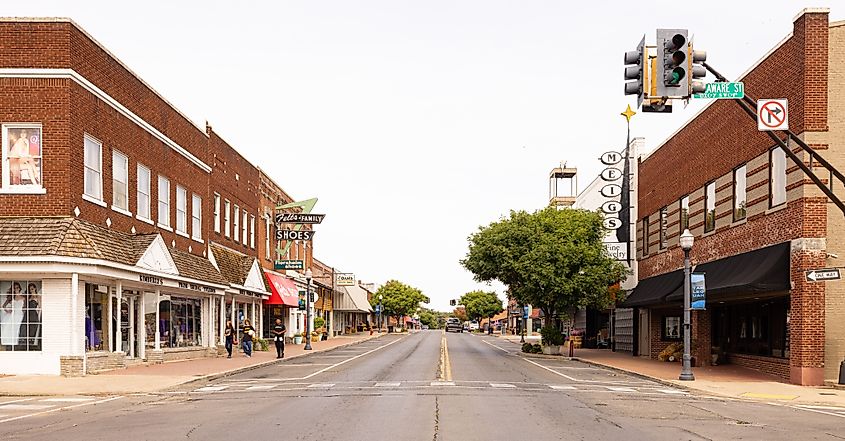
x,y
823,274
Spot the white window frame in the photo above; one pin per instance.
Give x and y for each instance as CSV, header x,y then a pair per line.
x,y
6,181
245,226
267,232
97,199
181,210
227,219
139,206
163,181
237,225
777,177
116,154
216,213
740,195
710,205
196,217
252,231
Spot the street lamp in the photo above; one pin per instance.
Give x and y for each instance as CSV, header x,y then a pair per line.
x,y
380,297
687,240
308,310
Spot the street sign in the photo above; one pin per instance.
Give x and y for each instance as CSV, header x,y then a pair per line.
x,y
299,218
611,174
610,158
612,223
611,207
617,250
611,190
820,275
772,115
289,264
294,235
722,91
698,291
345,279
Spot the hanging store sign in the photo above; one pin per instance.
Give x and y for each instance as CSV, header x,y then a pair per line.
x,y
611,207
294,235
611,190
610,158
345,279
611,174
289,265
617,250
612,223
698,292
299,218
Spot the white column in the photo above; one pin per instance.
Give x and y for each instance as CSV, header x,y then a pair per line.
x,y
222,318
74,314
108,322
142,334
158,326
252,313
234,322
118,334
208,320
260,320
132,326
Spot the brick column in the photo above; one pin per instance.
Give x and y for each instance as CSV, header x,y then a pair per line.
x,y
807,316
701,336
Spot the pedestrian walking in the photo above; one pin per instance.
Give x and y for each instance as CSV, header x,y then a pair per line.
x,y
249,333
279,336
229,333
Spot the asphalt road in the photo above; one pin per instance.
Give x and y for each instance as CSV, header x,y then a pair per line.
x,y
425,386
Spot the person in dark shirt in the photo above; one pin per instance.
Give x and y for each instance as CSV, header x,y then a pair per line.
x,y
249,332
229,333
279,336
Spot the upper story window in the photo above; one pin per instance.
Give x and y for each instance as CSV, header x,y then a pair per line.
x,y
93,178
181,209
216,213
245,227
196,217
740,175
143,197
21,158
227,221
120,180
237,229
777,177
684,207
252,231
664,224
163,201
645,236
710,207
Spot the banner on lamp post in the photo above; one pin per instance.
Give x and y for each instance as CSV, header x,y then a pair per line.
x,y
698,292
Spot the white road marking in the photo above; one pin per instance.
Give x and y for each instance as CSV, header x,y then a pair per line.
x,y
442,383
69,400
551,370
304,364
320,385
210,388
560,387
347,360
620,389
580,380
60,408
673,391
502,385
26,406
497,347
267,387
808,409
390,384
16,401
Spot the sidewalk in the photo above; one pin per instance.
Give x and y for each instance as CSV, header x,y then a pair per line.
x,y
726,380
151,378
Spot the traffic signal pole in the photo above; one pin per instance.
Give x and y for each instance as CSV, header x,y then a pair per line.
x,y
747,103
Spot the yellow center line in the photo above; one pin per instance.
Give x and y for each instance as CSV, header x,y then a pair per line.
x,y
448,365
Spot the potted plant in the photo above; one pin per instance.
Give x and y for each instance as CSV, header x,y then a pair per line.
x,y
297,338
551,339
315,336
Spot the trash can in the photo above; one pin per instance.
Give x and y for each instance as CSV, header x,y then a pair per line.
x,y
389,329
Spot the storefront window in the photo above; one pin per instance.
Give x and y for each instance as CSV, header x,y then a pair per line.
x,y
22,156
95,310
672,328
184,322
20,315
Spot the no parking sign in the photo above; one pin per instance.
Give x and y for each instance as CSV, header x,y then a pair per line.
x,y
772,115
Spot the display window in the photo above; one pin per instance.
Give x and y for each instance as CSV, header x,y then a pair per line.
x,y
22,148
20,315
671,328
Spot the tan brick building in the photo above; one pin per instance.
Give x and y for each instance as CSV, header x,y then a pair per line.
x,y
759,223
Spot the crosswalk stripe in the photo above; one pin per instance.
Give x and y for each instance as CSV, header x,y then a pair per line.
x,y
620,389
672,391
391,384
502,385
261,387
68,400
26,406
442,383
320,385
559,387
211,388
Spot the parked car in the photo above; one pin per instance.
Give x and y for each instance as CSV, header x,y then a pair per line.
x,y
473,326
453,324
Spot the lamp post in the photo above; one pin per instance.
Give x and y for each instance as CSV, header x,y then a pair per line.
x,y
308,310
522,322
687,240
380,307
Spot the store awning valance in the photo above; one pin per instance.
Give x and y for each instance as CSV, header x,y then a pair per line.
x,y
763,270
654,290
282,290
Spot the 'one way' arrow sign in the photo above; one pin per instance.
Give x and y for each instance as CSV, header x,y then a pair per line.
x,y
823,274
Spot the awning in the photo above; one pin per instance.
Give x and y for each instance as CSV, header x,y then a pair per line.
x,y
654,290
763,270
354,299
282,290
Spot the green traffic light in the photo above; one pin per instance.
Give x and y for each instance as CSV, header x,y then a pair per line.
x,y
677,75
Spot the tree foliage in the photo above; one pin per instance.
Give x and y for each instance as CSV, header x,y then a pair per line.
x,y
433,319
399,299
461,313
552,259
481,304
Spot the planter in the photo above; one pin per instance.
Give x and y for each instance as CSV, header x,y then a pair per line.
x,y
315,338
297,340
551,349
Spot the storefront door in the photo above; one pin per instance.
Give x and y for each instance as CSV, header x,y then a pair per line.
x,y
644,335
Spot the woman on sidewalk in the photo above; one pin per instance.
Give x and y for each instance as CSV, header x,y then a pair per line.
x,y
279,336
229,333
249,332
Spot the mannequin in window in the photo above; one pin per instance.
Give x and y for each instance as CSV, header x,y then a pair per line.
x,y
11,315
31,328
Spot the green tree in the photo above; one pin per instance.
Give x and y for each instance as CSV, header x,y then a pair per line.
x,y
481,304
431,318
552,259
400,299
461,313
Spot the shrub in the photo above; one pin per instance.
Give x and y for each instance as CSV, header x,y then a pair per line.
x,y
527,347
319,322
536,348
260,344
551,336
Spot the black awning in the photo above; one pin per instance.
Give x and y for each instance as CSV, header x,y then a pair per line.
x,y
763,270
653,290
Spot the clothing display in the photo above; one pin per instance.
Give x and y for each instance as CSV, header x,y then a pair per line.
x,y
11,317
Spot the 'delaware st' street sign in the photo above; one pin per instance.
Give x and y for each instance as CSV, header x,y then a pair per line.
x,y
721,91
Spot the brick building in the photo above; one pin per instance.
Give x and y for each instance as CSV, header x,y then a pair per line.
x,y
758,222
127,232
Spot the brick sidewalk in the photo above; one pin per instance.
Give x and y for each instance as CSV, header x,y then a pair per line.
x,y
151,378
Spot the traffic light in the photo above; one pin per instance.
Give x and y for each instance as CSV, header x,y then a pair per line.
x,y
453,302
672,49
635,69
697,70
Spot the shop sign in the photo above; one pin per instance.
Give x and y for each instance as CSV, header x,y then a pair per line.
x,y
611,174
289,265
294,235
617,250
299,218
612,223
610,158
698,291
195,287
345,279
611,190
151,279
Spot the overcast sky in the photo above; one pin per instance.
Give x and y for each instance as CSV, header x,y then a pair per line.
x,y
414,122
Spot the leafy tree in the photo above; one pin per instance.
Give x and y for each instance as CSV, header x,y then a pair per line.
x,y
480,304
552,259
461,313
400,299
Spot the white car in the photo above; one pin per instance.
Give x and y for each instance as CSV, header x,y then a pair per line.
x,y
473,326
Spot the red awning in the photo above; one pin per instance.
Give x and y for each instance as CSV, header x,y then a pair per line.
x,y
282,291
